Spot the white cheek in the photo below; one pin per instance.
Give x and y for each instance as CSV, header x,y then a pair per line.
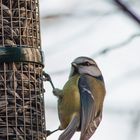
x,y
93,71
96,71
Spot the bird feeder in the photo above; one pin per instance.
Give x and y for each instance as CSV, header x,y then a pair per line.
x,y
22,114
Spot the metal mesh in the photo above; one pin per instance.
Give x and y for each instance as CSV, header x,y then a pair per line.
x,y
21,90
19,23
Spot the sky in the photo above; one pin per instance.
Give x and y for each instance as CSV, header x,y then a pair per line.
x,y
75,28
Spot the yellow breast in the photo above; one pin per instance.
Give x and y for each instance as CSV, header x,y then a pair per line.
x,y
69,104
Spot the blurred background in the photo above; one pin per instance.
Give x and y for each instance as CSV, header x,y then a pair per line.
x,y
99,29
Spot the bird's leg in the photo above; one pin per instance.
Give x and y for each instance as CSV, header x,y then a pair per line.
x,y
57,92
48,132
48,78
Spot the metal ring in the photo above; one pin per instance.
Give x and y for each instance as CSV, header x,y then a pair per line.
x,y
21,54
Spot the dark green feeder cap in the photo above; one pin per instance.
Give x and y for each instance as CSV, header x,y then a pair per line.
x,y
21,54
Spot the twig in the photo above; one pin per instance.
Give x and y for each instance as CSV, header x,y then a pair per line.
x,y
102,52
128,10
122,44
81,14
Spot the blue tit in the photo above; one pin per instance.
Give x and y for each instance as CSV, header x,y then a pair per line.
x,y
80,102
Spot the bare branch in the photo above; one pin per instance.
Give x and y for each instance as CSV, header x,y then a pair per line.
x,y
81,14
117,46
102,52
128,10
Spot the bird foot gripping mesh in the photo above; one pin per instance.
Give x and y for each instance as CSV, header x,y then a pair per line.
x,y
22,114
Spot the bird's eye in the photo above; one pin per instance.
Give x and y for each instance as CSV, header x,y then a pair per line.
x,y
87,64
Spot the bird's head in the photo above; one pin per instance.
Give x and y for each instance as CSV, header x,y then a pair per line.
x,y
85,65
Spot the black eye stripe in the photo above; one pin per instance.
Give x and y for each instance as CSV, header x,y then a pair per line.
x,y
86,64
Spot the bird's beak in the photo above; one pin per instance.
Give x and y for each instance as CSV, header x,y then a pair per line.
x,y
74,69
74,64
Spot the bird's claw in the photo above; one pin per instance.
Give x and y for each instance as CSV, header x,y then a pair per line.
x,y
48,132
46,76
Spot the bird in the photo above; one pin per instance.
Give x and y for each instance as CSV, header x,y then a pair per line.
x,y
80,102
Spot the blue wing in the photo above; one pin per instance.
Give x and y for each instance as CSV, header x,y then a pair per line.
x,y
87,104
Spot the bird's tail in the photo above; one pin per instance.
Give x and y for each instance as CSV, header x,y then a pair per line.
x,y
70,130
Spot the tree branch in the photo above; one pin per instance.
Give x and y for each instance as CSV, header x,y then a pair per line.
x,y
127,9
80,14
122,44
102,52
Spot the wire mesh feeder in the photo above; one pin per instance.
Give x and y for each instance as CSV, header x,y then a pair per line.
x,y
19,24
22,114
